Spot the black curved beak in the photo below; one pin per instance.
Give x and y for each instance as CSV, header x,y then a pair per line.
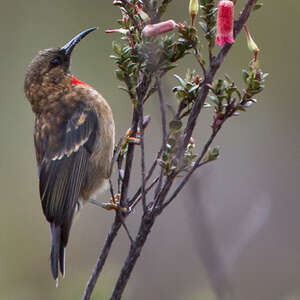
x,y
68,47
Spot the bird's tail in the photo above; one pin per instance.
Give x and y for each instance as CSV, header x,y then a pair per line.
x,y
57,257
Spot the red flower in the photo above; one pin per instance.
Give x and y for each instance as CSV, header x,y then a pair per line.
x,y
225,23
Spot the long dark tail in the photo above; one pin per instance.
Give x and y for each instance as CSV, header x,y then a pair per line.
x,y
57,257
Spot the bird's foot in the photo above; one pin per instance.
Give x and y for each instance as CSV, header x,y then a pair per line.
x,y
130,139
113,204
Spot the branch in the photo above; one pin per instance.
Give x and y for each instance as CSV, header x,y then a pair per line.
x,y
101,260
164,130
133,255
141,119
129,160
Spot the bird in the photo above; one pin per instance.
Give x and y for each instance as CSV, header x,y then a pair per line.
x,y
74,134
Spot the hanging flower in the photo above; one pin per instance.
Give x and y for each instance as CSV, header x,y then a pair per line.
x,y
225,23
159,28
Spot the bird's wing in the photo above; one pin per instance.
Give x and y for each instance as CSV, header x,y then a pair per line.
x,y
63,151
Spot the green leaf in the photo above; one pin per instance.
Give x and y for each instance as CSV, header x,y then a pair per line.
x,y
171,142
214,99
207,105
245,75
117,48
265,75
181,81
203,26
194,88
257,6
175,125
120,74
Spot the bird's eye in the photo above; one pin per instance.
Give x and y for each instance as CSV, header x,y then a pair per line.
x,y
56,61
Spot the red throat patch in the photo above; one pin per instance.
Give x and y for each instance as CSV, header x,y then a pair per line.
x,y
75,81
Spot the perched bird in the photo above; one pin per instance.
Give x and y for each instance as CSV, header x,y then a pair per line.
x,y
74,137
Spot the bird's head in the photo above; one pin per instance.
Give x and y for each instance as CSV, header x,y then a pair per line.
x,y
50,70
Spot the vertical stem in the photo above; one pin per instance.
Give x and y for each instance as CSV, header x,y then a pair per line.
x,y
164,130
133,255
142,144
129,160
101,260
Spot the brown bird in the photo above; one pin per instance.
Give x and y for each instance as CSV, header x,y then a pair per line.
x,y
74,137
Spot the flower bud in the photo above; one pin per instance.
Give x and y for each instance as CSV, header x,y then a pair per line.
x,y
120,30
159,28
251,44
225,23
193,10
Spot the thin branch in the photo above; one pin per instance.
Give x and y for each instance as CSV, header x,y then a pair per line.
x,y
133,255
132,206
116,153
136,195
164,131
143,183
129,160
125,226
101,260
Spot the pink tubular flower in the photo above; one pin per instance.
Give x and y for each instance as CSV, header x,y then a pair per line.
x,y
225,23
159,28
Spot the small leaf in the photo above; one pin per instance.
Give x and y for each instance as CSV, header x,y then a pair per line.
x,y
214,99
175,125
117,48
207,105
257,6
194,88
265,75
245,75
172,142
120,74
181,81
203,26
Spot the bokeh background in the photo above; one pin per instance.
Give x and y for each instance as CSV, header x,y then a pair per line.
x,y
235,227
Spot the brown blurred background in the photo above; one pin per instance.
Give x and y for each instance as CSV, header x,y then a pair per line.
x,y
236,225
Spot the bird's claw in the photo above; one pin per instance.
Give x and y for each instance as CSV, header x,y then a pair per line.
x,y
114,204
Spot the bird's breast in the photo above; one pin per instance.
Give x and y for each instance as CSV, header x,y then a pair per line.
x,y
100,161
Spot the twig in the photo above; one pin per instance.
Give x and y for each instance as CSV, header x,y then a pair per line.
x,y
142,144
116,153
125,227
129,160
132,206
133,255
164,132
147,178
